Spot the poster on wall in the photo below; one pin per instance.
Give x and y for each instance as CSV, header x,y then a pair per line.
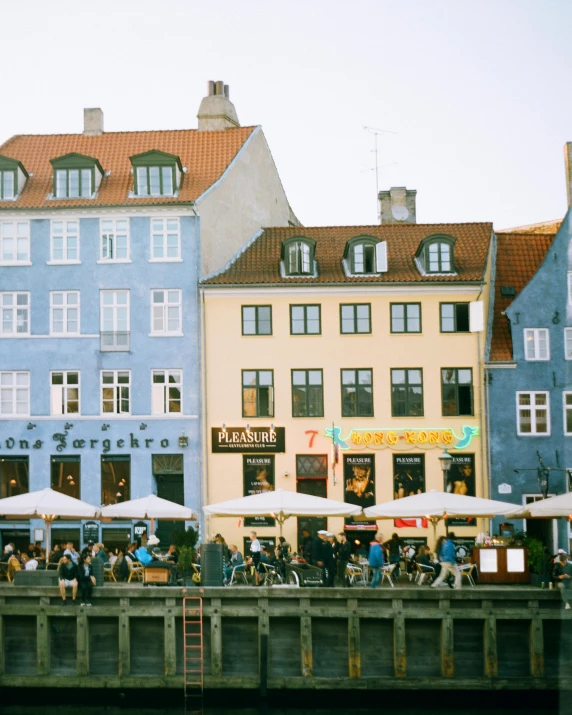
x,y
408,480
359,488
258,475
461,480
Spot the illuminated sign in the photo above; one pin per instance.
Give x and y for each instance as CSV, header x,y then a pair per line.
x,y
402,439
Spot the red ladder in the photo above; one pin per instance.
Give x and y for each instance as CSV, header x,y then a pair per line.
x,y
193,647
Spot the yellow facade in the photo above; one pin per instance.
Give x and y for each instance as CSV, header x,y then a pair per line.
x,y
227,352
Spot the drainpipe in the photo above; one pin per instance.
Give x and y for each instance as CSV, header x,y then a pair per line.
x,y
481,400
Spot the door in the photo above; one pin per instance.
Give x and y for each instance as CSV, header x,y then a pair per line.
x,y
317,488
169,477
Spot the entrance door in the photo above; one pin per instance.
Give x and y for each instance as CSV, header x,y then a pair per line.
x,y
317,488
543,529
168,472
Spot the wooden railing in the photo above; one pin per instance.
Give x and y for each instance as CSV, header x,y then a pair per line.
x,y
476,638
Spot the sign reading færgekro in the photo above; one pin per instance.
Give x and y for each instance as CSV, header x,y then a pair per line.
x,y
255,439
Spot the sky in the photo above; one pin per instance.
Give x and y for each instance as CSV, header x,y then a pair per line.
x,y
473,97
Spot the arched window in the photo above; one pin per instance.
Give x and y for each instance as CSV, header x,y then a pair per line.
x,y
366,255
436,254
298,256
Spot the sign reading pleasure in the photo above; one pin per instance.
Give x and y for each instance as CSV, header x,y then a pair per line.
x,y
402,439
254,439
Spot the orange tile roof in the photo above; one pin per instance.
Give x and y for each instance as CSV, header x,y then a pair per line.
x,y
546,228
260,262
205,154
519,256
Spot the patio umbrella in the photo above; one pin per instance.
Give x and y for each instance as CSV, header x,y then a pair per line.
x,y
434,506
48,505
280,505
550,508
151,507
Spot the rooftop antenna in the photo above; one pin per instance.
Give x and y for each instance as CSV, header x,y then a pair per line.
x,y
376,132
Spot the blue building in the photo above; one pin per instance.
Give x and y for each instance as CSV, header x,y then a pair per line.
x,y
101,250
529,373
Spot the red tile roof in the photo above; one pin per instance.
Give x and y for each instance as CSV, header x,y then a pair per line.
x,y
260,262
205,154
519,256
545,228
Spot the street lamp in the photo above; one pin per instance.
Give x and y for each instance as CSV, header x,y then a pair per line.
x,y
446,461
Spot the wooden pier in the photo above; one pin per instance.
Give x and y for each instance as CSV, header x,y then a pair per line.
x,y
479,638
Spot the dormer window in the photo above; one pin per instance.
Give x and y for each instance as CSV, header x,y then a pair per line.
x,y
156,174
76,176
12,178
435,254
365,255
298,256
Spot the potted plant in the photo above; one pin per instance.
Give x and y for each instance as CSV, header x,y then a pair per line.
x,y
519,537
538,562
185,564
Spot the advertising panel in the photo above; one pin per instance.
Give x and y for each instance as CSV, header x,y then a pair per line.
x,y
461,480
359,479
408,480
258,476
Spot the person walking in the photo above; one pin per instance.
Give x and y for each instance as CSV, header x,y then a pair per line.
x,y
344,554
255,552
445,550
330,558
376,559
393,547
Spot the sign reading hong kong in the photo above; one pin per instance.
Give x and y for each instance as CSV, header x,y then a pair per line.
x,y
255,439
402,439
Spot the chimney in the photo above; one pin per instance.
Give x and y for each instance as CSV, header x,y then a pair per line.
x,y
217,111
568,169
397,205
92,122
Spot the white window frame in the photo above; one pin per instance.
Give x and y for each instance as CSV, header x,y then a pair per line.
x,y
14,307
15,238
114,306
59,393
14,388
159,392
116,385
533,432
566,408
102,257
536,333
66,232
65,307
164,231
568,343
165,306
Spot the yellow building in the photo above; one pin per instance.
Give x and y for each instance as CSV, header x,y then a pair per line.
x,y
369,338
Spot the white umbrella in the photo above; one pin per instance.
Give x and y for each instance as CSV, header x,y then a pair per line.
x,y
552,507
48,505
151,507
434,505
280,505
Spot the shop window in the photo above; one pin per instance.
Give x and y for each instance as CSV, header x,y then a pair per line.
x,y
14,476
66,476
115,479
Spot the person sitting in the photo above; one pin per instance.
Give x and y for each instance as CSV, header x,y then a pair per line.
x,y
31,564
144,554
7,553
14,564
235,560
173,554
562,575
423,558
99,552
129,557
68,575
56,554
72,553
86,580
111,557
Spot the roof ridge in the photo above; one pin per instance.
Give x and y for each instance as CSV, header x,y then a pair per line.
x,y
380,225
126,131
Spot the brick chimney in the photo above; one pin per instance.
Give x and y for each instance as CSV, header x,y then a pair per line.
x,y
92,122
397,205
568,169
217,111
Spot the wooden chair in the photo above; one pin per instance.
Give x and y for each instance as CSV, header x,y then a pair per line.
x,y
423,574
467,571
355,575
387,573
136,569
108,571
13,565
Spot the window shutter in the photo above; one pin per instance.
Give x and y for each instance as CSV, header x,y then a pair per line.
x,y
381,257
157,397
476,316
57,394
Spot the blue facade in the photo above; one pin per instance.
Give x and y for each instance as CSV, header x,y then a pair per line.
x,y
545,304
91,434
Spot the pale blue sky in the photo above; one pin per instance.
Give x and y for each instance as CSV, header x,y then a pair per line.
x,y
478,93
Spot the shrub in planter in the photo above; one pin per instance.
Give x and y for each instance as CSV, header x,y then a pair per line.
x,y
187,558
538,561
